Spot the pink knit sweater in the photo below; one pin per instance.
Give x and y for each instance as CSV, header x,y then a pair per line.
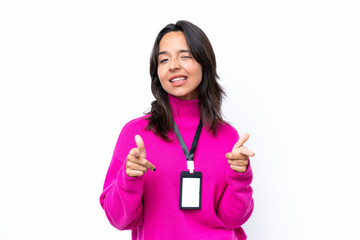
x,y
149,205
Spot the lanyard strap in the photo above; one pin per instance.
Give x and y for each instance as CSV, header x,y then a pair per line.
x,y
189,155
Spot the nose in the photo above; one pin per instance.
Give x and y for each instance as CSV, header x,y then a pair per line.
x,y
174,64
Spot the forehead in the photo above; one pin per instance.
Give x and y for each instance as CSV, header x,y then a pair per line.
x,y
173,41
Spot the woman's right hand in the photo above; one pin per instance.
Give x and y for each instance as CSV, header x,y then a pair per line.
x,y
136,163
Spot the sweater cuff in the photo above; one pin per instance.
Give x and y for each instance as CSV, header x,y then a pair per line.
x,y
132,184
236,175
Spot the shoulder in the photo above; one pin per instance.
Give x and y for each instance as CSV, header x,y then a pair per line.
x,y
228,131
126,140
135,125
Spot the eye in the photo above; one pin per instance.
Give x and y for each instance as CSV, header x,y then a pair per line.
x,y
164,60
185,56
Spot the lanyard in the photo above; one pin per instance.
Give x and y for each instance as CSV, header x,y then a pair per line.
x,y
189,155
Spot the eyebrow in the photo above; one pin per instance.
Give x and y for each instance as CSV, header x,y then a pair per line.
x,y
180,51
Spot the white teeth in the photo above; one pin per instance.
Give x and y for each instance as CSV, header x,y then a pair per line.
x,y
178,79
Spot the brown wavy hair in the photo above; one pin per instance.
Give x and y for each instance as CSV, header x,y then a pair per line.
x,y
210,92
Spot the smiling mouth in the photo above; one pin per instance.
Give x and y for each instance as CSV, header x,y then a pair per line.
x,y
178,79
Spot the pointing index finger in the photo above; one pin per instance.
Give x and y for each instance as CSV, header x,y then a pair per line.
x,y
150,166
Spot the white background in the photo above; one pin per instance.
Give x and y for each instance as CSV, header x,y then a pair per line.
x,y
74,72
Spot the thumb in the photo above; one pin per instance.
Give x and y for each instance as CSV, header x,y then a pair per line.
x,y
140,145
241,141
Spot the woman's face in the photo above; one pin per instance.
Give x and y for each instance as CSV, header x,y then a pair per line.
x,y
179,73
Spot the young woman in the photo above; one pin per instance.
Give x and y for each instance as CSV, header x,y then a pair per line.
x,y
197,187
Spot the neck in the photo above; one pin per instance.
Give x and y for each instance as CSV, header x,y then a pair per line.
x,y
186,115
184,110
190,96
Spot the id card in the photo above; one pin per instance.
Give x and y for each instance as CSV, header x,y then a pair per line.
x,y
190,190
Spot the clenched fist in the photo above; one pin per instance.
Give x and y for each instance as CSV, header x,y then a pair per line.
x,y
136,163
239,156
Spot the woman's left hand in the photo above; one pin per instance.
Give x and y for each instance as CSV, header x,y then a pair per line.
x,y
239,157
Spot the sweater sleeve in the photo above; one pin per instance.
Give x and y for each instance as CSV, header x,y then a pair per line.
x,y
236,203
121,198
